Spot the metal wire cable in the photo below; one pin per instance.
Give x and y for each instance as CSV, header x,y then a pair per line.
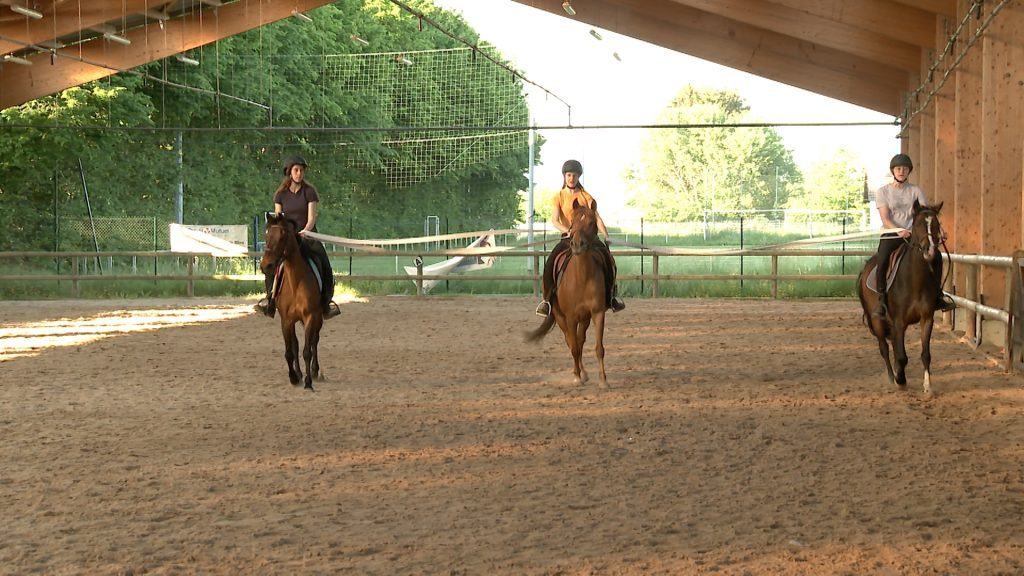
x,y
908,116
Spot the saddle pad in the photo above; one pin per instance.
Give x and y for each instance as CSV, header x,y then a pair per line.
x,y
894,264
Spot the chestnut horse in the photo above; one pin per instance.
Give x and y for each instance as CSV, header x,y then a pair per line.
x,y
580,294
297,296
912,296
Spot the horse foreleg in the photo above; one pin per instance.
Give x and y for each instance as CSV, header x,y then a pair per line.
x,y
291,351
569,332
899,349
581,340
926,351
312,330
599,346
883,349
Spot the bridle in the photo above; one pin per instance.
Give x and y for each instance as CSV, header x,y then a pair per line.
x,y
934,239
284,250
578,240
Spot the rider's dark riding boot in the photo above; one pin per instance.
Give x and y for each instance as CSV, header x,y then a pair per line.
x,y
266,307
331,310
944,304
882,309
617,304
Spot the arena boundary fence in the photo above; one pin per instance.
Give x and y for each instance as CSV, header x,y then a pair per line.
x,y
975,315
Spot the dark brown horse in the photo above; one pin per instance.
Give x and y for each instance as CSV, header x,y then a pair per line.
x,y
297,295
912,296
580,294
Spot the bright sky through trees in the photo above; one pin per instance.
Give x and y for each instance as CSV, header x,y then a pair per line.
x,y
565,58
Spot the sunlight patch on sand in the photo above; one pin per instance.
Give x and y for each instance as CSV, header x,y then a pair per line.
x,y
31,338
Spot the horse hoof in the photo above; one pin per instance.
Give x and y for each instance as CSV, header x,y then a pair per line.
x,y
577,381
309,387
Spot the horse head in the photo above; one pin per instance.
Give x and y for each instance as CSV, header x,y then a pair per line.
x,y
926,230
280,241
583,232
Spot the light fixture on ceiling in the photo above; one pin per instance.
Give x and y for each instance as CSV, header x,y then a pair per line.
x,y
27,12
302,16
401,59
186,60
359,39
114,37
156,15
616,56
17,60
567,6
596,34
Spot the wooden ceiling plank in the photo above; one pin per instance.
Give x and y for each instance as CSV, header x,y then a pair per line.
x,y
784,59
882,17
20,84
804,25
941,7
69,18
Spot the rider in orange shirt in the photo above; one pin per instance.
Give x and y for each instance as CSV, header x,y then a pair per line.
x,y
561,218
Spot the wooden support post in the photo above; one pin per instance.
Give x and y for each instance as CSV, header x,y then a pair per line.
x,y
654,271
775,276
971,293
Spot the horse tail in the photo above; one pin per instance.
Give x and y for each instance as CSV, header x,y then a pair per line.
x,y
541,330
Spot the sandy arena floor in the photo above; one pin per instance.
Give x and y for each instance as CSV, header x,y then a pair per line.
x,y
738,437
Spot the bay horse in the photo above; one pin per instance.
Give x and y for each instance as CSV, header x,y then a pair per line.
x,y
579,296
297,296
912,296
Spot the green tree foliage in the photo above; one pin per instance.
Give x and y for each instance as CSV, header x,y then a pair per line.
x,y
835,184
125,131
685,171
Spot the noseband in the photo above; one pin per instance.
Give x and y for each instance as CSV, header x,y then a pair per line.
x,y
932,241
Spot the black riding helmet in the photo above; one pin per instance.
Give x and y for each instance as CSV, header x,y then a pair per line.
x,y
572,166
292,161
901,160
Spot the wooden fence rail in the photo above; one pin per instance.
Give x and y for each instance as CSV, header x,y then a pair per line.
x,y
973,311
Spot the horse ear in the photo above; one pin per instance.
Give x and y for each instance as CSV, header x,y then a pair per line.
x,y
593,205
917,206
938,207
575,203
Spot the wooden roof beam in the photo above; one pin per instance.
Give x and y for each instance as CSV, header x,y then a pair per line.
x,y
69,18
804,25
74,65
893,20
792,61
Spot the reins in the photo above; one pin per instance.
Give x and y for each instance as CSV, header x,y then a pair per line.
x,y
923,248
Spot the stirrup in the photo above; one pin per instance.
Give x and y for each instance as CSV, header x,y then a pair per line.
x,y
945,304
331,310
617,304
543,309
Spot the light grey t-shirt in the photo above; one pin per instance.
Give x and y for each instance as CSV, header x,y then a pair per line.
x,y
900,202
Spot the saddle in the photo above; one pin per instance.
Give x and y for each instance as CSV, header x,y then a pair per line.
x,y
312,264
890,276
